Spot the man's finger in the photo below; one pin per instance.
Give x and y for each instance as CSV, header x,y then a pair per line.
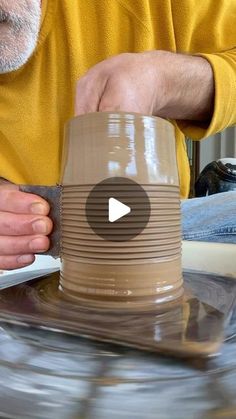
x,y
22,203
22,224
20,245
15,262
89,91
119,96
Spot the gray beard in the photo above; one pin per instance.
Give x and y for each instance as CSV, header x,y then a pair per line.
x,y
13,52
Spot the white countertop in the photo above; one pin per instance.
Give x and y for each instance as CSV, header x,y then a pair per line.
x,y
219,258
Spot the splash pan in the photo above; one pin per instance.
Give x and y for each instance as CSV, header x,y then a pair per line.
x,y
194,327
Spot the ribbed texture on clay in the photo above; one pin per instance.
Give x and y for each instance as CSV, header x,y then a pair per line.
x,y
133,274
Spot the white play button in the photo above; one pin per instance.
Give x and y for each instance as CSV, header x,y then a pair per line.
x,y
117,210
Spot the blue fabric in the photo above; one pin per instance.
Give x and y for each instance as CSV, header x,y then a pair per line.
x,y
211,218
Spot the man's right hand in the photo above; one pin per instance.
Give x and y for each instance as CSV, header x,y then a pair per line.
x,y
24,227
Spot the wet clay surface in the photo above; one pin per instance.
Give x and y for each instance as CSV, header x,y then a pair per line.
x,y
193,326
109,144
131,158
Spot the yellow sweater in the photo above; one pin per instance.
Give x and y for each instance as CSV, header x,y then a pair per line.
x,y
36,100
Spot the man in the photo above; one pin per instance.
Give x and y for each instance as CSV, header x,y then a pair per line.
x,y
168,58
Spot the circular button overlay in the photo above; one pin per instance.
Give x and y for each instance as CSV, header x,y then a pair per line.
x,y
117,209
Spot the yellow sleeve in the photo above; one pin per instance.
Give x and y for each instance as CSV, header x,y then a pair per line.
x,y
224,112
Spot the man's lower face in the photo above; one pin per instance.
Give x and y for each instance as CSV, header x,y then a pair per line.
x,y
19,30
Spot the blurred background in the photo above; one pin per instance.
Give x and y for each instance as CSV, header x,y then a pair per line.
x,y
201,153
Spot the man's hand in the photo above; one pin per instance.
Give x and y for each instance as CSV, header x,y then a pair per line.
x,y
159,83
24,227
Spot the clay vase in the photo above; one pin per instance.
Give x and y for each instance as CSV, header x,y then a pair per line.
x,y
136,274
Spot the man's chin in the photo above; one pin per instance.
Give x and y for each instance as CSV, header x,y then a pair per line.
x,y
18,40
12,59
11,66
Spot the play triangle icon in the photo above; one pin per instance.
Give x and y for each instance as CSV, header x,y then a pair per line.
x,y
117,210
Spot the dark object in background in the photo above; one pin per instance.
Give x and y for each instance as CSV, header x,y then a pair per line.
x,y
217,176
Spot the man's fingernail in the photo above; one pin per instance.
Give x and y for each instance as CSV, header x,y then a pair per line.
x,y
38,208
39,227
38,245
25,259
